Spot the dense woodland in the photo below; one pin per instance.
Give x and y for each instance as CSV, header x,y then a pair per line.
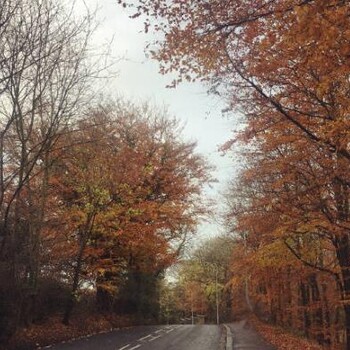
x,y
98,197
283,67
201,292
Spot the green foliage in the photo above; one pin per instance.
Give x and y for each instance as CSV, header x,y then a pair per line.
x,y
202,280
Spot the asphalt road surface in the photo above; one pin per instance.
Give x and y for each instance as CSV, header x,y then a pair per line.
x,y
176,337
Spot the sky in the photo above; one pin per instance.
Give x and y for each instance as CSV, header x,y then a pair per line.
x,y
138,79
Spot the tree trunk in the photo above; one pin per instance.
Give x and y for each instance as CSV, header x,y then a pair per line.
x,y
72,296
343,254
84,236
304,302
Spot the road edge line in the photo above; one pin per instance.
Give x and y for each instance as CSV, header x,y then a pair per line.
x,y
228,337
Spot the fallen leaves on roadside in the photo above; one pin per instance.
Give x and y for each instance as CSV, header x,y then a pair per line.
x,y
281,339
53,331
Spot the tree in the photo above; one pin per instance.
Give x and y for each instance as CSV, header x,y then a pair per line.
x,y
283,64
44,80
264,57
285,206
203,278
130,188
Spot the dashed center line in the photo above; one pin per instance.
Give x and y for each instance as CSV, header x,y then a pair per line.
x,y
154,338
135,347
124,347
147,336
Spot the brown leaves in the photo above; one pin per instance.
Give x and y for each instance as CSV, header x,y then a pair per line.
x,y
128,186
54,332
286,56
281,339
285,66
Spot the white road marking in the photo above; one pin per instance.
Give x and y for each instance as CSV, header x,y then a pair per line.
x,y
135,347
147,336
154,338
159,330
124,347
228,337
170,330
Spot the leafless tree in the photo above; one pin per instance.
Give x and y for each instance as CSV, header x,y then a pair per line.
x,y
46,73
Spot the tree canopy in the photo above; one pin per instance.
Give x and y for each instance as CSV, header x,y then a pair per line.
x,y
284,66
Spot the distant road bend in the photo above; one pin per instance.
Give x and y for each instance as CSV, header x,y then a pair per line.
x,y
173,337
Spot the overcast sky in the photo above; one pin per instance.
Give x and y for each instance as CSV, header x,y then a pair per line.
x,y
138,79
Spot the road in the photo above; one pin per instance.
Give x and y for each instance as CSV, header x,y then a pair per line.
x,y
176,337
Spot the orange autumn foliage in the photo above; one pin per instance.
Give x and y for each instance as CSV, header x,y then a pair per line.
x,y
283,65
129,194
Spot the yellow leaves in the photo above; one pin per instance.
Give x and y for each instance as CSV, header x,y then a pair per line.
x,y
273,255
100,271
149,168
134,212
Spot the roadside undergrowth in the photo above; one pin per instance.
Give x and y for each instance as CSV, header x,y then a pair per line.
x,y
281,339
52,331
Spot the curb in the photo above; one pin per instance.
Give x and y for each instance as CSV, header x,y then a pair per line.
x,y
228,337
